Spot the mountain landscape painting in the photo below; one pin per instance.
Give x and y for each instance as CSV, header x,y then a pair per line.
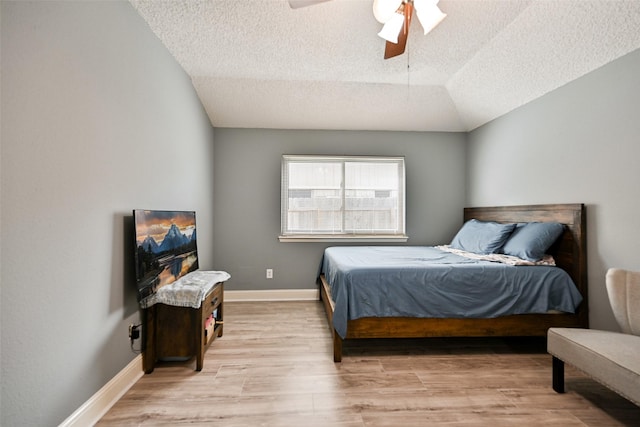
x,y
165,248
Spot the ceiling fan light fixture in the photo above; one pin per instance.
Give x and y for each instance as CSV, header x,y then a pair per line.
x,y
383,10
392,28
429,14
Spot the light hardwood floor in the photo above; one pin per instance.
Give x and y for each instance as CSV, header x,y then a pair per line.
x,y
274,367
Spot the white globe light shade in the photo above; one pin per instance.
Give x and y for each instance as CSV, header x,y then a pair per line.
x,y
383,10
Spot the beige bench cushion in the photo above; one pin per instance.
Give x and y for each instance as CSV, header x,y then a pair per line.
x,y
609,357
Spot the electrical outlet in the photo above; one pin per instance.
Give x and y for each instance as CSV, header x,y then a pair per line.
x,y
134,332
269,273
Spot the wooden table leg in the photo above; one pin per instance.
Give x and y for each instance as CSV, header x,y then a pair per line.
x,y
149,344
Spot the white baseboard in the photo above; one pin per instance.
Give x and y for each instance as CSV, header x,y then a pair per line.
x,y
273,295
98,405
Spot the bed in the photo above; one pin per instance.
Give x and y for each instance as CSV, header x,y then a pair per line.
x,y
568,252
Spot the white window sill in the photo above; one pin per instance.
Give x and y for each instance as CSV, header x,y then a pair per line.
x,y
358,238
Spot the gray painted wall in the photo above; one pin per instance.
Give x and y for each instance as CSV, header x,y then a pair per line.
x,y
95,114
579,143
247,189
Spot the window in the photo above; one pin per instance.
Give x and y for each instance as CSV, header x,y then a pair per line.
x,y
346,197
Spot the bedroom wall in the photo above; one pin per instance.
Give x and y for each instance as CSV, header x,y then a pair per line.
x,y
247,189
97,119
578,143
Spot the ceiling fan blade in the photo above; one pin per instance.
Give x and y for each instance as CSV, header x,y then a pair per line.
x,y
295,4
395,49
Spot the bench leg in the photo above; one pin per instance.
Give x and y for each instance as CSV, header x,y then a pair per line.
x,y
557,374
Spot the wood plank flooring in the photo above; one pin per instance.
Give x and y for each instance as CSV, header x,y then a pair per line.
x,y
274,367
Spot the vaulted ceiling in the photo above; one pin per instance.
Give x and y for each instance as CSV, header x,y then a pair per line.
x,y
262,64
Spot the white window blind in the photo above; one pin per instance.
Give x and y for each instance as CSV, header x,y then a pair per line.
x,y
342,197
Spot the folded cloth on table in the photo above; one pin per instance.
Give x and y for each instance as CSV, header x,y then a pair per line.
x,y
187,291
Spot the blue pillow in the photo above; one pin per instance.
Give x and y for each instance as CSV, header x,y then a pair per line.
x,y
481,237
531,241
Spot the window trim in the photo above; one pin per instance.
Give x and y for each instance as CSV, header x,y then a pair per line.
x,y
346,236
352,238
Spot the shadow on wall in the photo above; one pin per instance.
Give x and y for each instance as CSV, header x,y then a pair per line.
x,y
123,279
596,273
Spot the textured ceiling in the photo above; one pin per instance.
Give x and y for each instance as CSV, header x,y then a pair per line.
x,y
261,64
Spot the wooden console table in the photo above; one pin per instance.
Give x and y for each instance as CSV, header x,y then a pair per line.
x,y
173,332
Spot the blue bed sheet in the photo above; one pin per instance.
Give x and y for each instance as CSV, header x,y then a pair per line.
x,y
423,281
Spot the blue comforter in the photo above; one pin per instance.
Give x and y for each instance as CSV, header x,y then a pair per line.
x,y
423,281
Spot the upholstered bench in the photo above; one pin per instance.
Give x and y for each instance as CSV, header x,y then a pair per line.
x,y
611,358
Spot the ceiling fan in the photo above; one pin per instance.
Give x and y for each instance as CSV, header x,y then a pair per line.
x,y
396,16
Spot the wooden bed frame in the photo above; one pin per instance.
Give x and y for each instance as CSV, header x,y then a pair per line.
x,y
570,253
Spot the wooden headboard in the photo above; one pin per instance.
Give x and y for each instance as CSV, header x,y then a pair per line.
x,y
569,252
